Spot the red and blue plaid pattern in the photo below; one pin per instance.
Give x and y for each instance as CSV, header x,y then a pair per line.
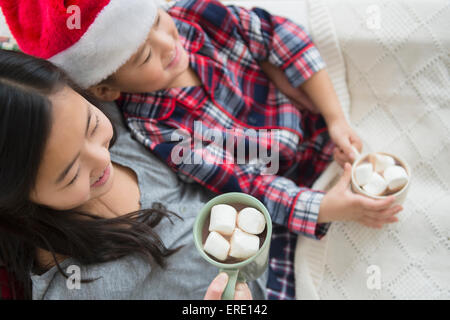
x,y
225,45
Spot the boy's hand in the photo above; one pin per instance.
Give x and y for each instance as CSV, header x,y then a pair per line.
x,y
344,137
340,203
296,95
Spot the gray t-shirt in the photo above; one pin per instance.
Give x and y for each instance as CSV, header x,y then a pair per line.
x,y
186,276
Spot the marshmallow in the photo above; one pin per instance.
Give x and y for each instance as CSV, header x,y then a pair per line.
x,y
363,173
243,244
376,185
251,220
396,177
223,219
217,246
382,162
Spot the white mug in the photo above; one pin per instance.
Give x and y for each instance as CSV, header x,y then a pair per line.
x,y
400,195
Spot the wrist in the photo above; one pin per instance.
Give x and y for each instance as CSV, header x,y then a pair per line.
x,y
334,118
323,211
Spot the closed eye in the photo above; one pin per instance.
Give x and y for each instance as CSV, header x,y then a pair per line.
x,y
93,132
74,178
158,19
148,57
96,125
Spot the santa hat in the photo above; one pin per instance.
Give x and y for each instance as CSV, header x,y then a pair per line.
x,y
89,39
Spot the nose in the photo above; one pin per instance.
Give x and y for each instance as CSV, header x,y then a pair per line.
x,y
164,41
96,156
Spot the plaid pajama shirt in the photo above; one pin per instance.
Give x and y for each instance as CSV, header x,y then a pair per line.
x,y
225,45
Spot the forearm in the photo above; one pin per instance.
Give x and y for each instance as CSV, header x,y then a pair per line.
x,y
321,91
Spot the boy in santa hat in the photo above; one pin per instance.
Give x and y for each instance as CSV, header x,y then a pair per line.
x,y
204,62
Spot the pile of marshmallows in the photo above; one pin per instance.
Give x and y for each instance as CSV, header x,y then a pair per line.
x,y
380,174
244,241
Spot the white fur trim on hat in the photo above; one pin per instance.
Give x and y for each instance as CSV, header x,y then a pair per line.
x,y
115,35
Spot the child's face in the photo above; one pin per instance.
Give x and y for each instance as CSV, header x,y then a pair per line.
x,y
76,154
158,62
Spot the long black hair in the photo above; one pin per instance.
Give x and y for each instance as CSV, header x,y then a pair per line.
x,y
26,83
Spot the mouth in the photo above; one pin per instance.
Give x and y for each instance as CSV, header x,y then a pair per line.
x,y
103,179
175,59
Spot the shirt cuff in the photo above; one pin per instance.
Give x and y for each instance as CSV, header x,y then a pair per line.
x,y
303,65
303,217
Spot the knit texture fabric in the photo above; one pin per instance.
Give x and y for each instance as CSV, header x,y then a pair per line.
x,y
390,66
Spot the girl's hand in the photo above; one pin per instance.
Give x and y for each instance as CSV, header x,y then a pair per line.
x,y
217,286
340,203
344,137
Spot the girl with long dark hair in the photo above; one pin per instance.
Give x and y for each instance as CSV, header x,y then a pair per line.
x,y
72,202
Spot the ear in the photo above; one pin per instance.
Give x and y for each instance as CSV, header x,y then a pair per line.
x,y
104,92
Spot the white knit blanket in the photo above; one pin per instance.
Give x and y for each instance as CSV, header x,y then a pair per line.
x,y
390,63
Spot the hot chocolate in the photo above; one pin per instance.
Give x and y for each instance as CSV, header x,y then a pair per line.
x,y
381,174
238,235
